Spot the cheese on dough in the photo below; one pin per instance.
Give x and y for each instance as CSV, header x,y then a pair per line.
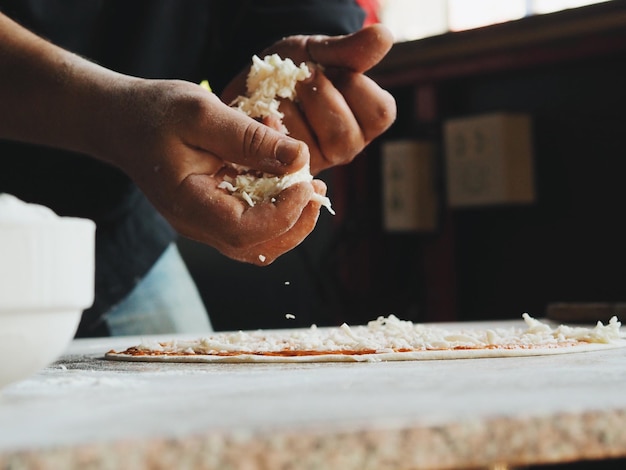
x,y
390,334
269,79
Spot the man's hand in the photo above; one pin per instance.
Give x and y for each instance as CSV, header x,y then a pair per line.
x,y
339,110
173,138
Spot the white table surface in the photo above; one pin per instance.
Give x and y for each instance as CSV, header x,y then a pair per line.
x,y
431,414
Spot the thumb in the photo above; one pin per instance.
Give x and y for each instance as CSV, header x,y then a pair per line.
x,y
358,51
237,138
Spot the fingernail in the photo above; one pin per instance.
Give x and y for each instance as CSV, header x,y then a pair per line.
x,y
288,150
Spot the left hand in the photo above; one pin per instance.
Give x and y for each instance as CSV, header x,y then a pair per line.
x,y
338,110
175,140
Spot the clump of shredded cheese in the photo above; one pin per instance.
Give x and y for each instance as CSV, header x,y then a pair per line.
x,y
254,189
269,79
599,334
390,334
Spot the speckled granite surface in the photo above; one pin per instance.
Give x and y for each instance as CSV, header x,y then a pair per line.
x,y
84,412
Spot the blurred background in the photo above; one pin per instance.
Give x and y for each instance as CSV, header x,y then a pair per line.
x,y
416,19
498,191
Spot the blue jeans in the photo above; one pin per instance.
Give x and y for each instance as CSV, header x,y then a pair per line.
x,y
165,301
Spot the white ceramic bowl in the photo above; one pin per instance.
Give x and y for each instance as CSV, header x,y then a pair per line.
x,y
46,281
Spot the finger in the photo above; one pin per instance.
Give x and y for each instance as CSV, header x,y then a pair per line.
x,y
373,108
330,119
236,138
212,215
278,216
358,51
267,252
299,128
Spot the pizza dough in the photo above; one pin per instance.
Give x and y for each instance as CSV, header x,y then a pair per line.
x,y
384,339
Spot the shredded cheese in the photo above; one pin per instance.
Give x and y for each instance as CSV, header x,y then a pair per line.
x,y
388,334
269,79
254,189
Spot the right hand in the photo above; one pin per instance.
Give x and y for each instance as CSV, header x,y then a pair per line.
x,y
339,109
173,139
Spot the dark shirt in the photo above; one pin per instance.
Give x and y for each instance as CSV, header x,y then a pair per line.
x,y
184,39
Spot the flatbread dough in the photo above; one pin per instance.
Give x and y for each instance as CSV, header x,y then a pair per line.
x,y
376,357
384,339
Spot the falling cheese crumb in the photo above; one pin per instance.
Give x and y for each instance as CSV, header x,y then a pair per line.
x,y
289,316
